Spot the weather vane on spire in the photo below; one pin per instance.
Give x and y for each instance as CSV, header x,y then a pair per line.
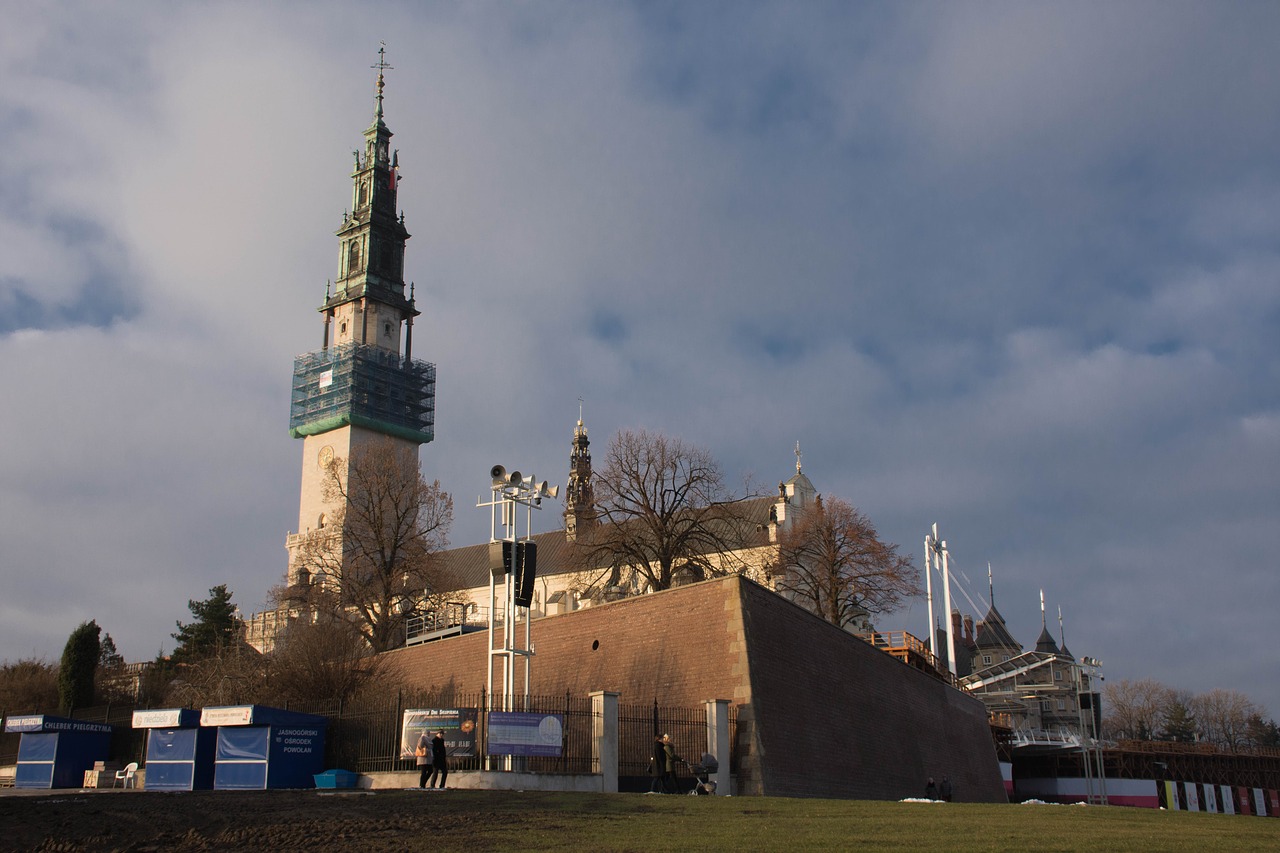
x,y
381,66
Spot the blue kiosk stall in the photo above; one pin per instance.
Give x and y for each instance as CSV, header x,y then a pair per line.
x,y
179,750
260,747
55,751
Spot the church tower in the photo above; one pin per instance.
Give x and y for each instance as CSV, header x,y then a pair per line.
x,y
579,499
363,384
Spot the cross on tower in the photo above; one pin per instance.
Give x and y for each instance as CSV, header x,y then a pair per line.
x,y
381,66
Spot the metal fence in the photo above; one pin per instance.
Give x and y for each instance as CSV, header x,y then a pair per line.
x,y
364,736
639,724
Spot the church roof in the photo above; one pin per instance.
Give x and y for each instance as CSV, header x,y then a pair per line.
x,y
1045,642
468,567
992,632
801,482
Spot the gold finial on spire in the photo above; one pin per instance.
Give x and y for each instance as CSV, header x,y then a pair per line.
x,y
381,66
798,455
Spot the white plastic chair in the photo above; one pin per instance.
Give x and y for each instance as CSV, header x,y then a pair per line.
x,y
127,773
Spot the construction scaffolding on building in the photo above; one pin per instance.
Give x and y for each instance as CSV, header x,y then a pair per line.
x,y
366,386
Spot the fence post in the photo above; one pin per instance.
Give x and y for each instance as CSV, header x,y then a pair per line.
x,y
604,738
718,742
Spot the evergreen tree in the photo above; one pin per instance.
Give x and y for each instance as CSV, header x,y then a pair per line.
x,y
216,627
110,658
1179,723
79,663
1264,732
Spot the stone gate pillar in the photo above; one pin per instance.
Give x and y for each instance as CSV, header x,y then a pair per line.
x,y
718,743
604,738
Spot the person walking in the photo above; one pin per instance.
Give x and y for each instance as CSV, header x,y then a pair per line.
x,y
422,756
657,765
944,790
439,760
670,759
931,790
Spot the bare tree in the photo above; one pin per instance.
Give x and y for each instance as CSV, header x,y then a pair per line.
x,y
832,561
1135,709
28,684
378,561
324,659
1223,717
230,674
663,514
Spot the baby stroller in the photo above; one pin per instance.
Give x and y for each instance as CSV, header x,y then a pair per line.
x,y
703,784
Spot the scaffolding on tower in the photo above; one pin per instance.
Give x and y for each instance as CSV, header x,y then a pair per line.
x,y
366,386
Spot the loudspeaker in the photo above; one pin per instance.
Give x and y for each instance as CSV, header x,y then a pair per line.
x,y
527,558
497,472
500,558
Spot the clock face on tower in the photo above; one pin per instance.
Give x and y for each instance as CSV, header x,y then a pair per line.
x,y
325,457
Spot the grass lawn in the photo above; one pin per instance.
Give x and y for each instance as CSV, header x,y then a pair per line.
x,y
411,821
539,821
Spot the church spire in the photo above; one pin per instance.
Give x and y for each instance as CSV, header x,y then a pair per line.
x,y
370,282
579,500
381,66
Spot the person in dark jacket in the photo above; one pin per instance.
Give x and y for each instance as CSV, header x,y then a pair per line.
x,y
944,789
931,790
439,760
657,765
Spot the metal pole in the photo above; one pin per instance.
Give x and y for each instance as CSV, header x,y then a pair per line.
x,y
1084,738
946,596
931,634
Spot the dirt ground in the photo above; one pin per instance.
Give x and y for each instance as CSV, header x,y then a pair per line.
x,y
138,821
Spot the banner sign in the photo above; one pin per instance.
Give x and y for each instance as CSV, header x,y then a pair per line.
x,y
527,734
229,715
458,725
45,723
167,718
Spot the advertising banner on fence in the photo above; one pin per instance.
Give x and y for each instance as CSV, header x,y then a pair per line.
x,y
458,725
529,734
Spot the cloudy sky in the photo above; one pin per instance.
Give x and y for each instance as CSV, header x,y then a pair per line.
x,y
1010,268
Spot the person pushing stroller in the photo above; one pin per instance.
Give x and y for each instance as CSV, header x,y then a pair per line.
x,y
670,761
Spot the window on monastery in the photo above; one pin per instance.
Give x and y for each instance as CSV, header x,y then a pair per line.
x,y
1057,675
986,660
1062,704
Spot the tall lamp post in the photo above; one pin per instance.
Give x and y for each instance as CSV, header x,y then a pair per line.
x,y
1090,746
513,565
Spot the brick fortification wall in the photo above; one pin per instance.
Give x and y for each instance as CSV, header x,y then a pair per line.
x,y
820,713
836,717
677,647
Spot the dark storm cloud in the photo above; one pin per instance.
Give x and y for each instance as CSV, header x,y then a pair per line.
x,y
1007,267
